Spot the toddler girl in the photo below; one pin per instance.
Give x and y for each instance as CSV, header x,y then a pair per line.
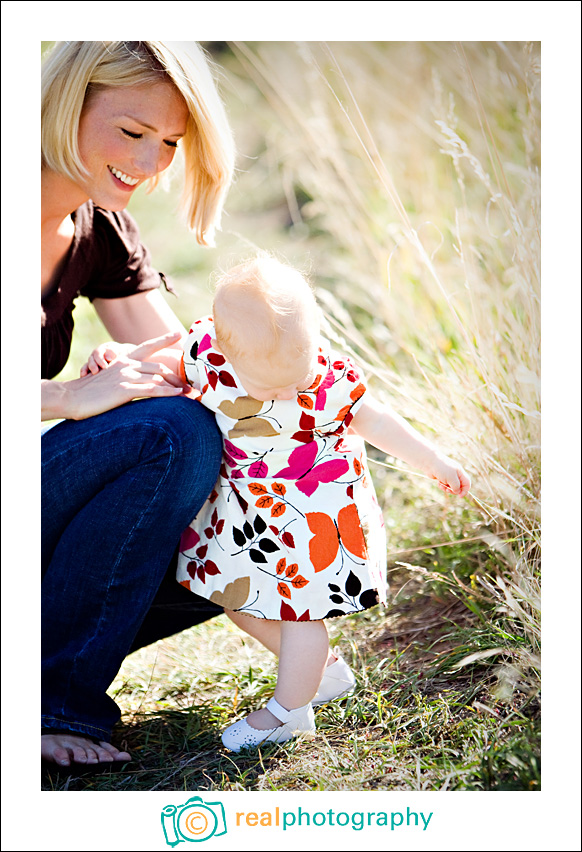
x,y
292,533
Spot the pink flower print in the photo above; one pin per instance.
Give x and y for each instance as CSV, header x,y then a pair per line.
x,y
308,475
321,396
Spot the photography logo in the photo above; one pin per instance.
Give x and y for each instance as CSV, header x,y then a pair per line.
x,y
194,821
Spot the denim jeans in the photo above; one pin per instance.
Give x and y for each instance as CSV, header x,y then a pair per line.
x,y
118,489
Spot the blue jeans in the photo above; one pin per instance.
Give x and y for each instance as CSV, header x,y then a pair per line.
x,y
118,489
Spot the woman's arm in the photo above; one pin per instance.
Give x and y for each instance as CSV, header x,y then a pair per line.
x,y
130,377
392,434
134,319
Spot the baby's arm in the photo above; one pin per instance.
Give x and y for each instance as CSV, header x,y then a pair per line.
x,y
391,433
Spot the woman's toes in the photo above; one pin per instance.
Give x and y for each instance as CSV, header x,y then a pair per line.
x,y
103,755
63,748
114,753
80,754
92,756
61,757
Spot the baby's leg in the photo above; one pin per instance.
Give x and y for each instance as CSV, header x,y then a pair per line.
x,y
304,649
302,658
268,633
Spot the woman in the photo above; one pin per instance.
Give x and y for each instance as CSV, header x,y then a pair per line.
x,y
113,115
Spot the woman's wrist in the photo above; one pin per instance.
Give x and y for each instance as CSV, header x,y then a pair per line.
x,y
55,400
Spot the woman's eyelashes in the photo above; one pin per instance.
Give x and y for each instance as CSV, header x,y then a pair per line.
x,y
139,136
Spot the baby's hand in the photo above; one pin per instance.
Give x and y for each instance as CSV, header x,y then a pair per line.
x,y
104,355
450,476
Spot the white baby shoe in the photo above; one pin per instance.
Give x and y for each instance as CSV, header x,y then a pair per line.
x,y
298,721
338,679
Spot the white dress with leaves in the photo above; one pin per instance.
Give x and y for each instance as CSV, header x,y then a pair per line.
x,y
292,530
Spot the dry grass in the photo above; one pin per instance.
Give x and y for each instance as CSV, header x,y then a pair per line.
x,y
411,176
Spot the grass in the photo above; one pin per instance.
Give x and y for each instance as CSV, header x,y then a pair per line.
x,y
405,178
416,721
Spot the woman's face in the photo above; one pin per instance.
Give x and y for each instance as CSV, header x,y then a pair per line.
x,y
127,135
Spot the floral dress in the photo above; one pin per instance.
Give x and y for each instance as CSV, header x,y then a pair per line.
x,y
292,530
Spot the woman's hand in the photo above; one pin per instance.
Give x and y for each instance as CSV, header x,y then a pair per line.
x,y
450,476
130,375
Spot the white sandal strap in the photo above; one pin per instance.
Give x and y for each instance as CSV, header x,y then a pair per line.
x,y
283,715
278,712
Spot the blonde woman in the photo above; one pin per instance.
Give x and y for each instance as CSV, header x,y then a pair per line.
x,y
114,115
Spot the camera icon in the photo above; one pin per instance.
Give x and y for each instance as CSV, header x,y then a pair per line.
x,y
194,821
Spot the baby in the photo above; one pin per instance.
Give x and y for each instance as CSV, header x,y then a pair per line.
x,y
292,533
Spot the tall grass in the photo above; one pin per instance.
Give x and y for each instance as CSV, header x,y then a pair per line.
x,y
411,176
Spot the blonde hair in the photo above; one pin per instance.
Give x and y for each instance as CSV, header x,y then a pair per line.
x,y
262,303
74,71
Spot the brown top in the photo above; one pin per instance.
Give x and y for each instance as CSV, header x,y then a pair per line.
x,y
107,261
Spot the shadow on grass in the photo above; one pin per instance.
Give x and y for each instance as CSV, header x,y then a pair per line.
x,y
171,750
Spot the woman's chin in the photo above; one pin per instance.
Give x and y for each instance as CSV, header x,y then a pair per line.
x,y
114,205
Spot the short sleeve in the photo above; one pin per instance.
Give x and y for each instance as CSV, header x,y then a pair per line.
x,y
339,394
198,342
120,263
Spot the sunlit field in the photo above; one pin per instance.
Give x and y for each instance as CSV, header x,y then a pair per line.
x,y
404,178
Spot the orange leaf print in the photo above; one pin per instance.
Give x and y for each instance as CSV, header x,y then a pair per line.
x,y
316,382
264,502
357,467
279,488
350,528
299,582
358,392
284,590
185,583
292,570
324,545
257,488
278,509
304,401
281,565
341,415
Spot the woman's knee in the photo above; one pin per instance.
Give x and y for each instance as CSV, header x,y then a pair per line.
x,y
189,434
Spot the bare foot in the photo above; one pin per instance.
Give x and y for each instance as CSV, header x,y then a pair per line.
x,y
62,749
263,720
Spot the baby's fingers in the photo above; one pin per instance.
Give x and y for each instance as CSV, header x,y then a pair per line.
x,y
458,485
102,359
465,483
150,346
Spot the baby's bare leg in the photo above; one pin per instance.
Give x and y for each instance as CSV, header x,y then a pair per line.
x,y
268,633
303,653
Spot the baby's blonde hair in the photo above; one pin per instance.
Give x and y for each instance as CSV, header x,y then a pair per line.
x,y
261,304
75,70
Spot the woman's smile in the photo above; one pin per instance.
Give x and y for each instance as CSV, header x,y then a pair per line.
x,y
127,181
